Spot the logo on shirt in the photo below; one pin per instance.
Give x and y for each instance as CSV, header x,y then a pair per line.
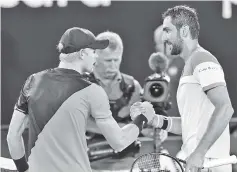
x,y
213,68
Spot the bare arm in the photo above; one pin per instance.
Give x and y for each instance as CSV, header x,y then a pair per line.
x,y
210,76
176,126
15,141
92,126
119,138
220,118
17,126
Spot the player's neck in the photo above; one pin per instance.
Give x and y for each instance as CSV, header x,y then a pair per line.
x,y
77,68
189,48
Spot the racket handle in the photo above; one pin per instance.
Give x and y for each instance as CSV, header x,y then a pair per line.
x,y
218,162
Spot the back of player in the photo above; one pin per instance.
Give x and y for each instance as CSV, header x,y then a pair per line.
x,y
57,109
60,102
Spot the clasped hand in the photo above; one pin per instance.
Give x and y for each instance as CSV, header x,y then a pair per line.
x,y
144,108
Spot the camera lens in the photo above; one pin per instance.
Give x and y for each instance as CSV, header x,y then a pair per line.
x,y
156,90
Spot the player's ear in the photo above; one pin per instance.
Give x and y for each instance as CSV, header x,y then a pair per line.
x,y
184,30
82,53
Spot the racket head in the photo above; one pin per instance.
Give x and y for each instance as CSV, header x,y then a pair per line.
x,y
156,162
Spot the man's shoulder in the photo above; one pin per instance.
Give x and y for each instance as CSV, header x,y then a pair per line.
x,y
55,75
131,81
34,75
42,73
202,56
128,78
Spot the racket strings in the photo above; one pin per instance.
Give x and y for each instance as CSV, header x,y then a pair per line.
x,y
156,162
150,163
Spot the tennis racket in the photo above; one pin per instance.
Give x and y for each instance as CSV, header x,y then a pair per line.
x,y
156,162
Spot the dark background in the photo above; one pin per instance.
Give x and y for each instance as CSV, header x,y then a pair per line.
x,y
29,37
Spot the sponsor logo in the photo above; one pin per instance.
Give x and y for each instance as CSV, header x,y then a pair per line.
x,y
212,68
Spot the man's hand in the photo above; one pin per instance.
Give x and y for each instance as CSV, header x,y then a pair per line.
x,y
145,108
194,162
136,109
149,112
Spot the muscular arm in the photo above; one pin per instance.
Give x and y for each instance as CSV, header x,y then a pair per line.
x,y
119,138
220,118
17,126
92,126
210,76
176,126
15,141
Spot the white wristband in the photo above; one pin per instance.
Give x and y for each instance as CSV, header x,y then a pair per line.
x,y
170,123
157,121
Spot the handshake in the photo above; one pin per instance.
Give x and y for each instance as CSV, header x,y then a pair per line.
x,y
154,120
144,108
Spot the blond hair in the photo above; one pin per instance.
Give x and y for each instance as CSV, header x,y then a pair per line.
x,y
68,58
115,41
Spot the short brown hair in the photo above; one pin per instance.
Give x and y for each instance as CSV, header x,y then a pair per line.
x,y
184,15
